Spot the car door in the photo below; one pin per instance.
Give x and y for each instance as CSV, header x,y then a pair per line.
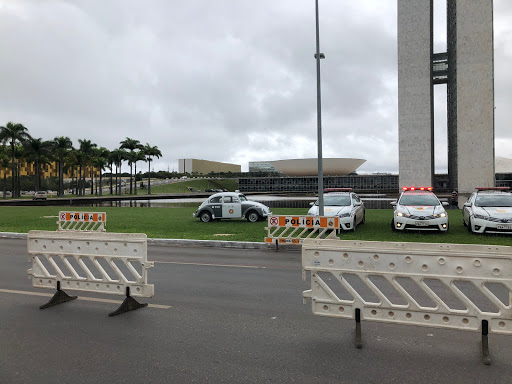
x,y
215,204
466,210
231,207
358,208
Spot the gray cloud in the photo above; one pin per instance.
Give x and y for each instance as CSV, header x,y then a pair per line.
x,y
230,81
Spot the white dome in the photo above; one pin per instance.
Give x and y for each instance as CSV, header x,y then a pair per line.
x,y
309,167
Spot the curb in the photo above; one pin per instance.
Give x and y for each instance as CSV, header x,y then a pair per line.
x,y
187,243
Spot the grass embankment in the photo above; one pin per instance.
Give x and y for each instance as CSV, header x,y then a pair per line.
x,y
198,185
178,223
187,186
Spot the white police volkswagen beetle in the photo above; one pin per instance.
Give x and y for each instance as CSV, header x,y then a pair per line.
x,y
231,205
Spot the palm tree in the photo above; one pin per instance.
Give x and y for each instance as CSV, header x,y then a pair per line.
x,y
13,133
71,162
87,152
38,152
138,156
4,163
110,165
131,145
100,161
118,156
19,154
61,147
150,152
80,159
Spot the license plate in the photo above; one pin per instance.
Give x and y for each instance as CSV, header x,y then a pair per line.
x,y
421,223
504,226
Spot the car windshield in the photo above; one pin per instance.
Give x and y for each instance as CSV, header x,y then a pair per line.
x,y
336,200
242,197
418,199
494,201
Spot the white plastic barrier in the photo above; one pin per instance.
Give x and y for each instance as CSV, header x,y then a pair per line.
x,y
111,263
294,229
82,221
463,287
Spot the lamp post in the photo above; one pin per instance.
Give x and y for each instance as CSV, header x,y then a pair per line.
x,y
318,57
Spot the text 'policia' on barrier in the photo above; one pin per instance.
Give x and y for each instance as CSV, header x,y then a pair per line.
x,y
457,286
294,229
82,221
110,263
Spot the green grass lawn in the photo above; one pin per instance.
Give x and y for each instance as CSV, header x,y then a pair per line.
x,y
178,223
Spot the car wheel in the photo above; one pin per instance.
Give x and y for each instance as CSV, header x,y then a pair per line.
x,y
470,228
393,228
364,218
205,217
253,217
354,224
464,222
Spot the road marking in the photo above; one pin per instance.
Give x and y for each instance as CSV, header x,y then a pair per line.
x,y
28,293
212,265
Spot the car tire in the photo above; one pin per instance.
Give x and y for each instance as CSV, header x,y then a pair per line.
x,y
252,217
393,228
354,225
364,218
470,228
205,217
464,222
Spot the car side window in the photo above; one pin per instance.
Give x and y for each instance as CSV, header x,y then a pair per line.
x,y
228,199
216,200
235,200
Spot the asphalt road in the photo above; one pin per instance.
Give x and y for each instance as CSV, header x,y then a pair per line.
x,y
234,316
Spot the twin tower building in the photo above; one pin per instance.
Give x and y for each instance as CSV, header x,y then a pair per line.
x,y
468,70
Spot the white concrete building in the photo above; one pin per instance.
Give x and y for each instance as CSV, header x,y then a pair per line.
x,y
468,69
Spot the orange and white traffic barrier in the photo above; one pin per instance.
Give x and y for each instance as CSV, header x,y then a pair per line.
x,y
82,221
294,229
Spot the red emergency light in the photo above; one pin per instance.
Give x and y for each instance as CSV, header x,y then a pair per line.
x,y
417,188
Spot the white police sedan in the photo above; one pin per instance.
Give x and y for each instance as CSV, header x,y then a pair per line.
x,y
345,204
488,210
419,209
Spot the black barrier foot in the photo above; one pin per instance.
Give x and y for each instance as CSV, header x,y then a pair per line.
x,y
486,357
59,298
359,342
129,304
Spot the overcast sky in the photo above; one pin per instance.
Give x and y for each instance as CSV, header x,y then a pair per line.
x,y
225,80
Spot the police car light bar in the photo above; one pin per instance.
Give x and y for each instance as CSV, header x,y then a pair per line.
x,y
417,188
492,188
337,189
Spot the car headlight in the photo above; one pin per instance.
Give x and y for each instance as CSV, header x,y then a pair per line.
x,y
442,214
400,214
481,217
345,215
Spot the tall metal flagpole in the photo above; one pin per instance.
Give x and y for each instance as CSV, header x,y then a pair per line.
x,y
319,56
